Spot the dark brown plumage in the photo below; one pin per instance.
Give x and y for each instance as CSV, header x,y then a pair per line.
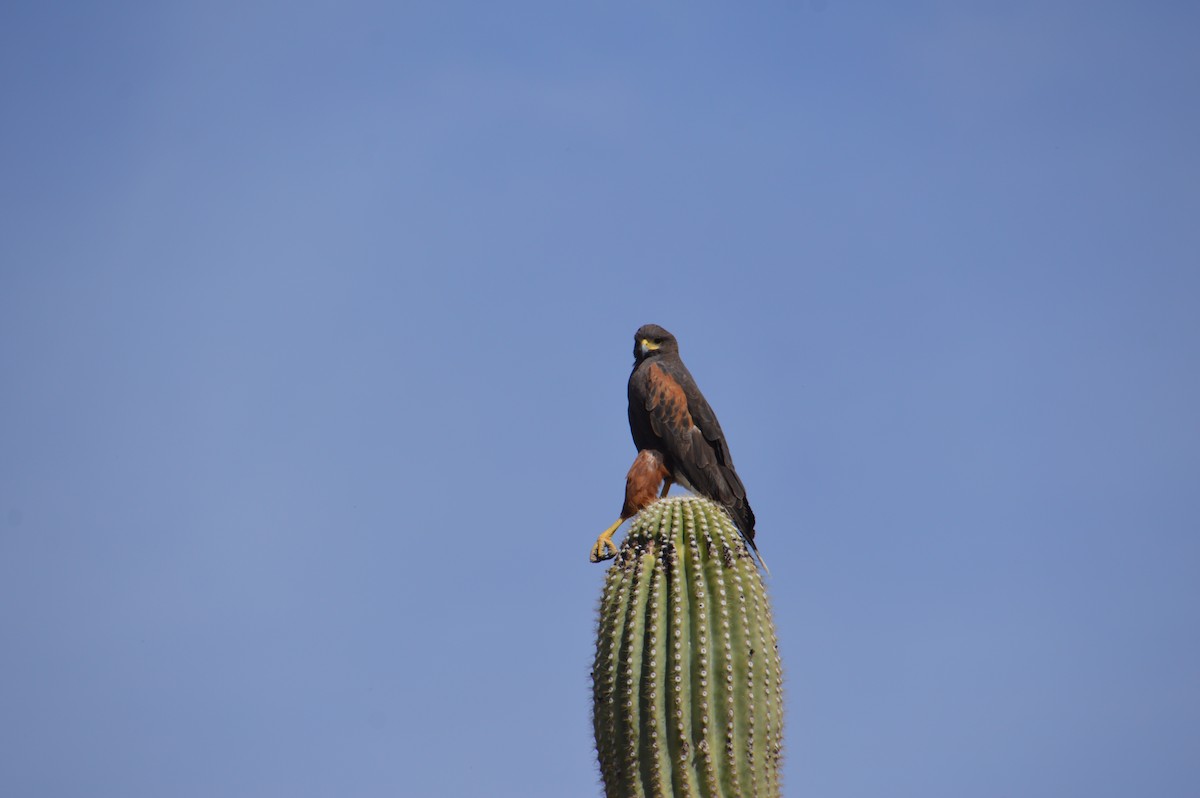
x,y
671,418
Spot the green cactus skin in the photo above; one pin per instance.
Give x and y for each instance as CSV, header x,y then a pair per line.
x,y
687,683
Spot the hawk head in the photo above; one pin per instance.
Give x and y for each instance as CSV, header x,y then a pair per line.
x,y
651,341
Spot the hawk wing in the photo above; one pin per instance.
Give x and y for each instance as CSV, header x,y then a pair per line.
x,y
668,412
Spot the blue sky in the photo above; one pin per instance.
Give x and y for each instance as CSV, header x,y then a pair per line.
x,y
315,321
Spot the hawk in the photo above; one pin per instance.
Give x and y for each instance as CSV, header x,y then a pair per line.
x,y
678,439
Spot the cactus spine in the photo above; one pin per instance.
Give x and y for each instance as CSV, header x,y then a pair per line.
x,y
687,685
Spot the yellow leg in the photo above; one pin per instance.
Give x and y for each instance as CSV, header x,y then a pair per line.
x,y
605,542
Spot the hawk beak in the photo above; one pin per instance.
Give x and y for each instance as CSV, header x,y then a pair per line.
x,y
648,345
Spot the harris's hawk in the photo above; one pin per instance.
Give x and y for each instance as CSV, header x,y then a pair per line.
x,y
678,439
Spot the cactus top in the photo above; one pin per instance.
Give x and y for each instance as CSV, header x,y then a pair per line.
x,y
687,682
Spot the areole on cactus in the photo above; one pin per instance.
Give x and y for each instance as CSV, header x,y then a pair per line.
x,y
687,682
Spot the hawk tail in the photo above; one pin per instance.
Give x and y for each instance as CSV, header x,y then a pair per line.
x,y
743,518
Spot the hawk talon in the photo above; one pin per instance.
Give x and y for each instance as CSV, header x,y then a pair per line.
x,y
605,542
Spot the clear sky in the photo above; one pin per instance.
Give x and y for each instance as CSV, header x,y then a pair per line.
x,y
315,321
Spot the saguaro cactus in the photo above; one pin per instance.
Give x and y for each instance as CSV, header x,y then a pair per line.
x,y
688,690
